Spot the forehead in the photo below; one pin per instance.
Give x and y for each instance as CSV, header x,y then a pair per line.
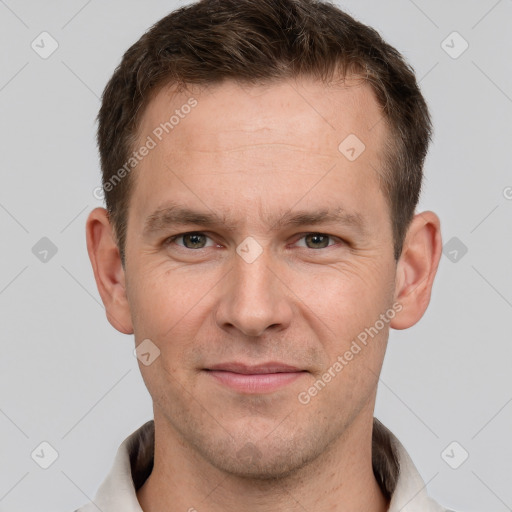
x,y
226,114
253,148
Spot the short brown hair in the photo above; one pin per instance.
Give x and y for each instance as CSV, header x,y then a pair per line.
x,y
258,41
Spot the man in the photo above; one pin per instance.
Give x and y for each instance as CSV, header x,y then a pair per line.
x,y
262,162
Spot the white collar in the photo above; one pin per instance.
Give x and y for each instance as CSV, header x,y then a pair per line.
x,y
134,461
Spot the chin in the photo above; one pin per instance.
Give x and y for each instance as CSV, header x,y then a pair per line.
x,y
264,460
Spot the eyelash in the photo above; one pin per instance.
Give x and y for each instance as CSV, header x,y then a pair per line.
x,y
171,239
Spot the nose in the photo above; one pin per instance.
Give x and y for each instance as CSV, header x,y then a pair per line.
x,y
254,298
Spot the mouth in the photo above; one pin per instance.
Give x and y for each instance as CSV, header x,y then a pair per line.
x,y
254,379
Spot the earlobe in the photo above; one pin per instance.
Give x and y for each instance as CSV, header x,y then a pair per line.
x,y
417,268
108,270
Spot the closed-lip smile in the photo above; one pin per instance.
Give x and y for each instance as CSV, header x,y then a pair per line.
x,y
253,379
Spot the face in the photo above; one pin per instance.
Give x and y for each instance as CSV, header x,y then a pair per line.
x,y
281,263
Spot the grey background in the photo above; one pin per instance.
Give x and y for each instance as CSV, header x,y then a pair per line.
x,y
68,378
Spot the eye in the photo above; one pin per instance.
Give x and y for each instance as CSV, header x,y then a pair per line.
x,y
193,240
198,240
317,240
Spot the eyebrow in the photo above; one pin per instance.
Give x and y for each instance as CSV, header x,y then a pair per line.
x,y
176,215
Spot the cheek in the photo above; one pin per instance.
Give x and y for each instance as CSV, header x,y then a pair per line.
x,y
170,307
348,324
162,296
346,296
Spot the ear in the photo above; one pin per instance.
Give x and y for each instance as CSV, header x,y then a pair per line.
x,y
417,268
108,270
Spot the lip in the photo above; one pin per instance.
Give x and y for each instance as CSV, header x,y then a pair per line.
x,y
253,379
270,367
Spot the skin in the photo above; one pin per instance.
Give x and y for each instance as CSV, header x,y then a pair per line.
x,y
253,154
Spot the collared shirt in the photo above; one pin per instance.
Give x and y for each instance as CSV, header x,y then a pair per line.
x,y
393,468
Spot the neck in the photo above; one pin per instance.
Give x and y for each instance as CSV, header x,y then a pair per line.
x,y
341,479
